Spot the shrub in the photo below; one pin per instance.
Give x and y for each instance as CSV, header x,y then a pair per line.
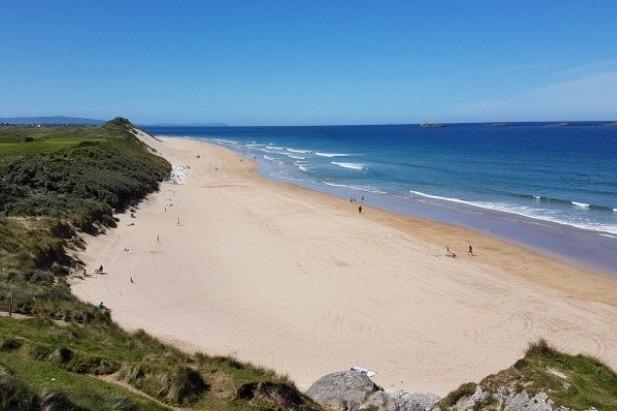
x,y
463,390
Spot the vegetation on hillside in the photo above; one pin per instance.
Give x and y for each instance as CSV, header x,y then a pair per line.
x,y
54,183
65,354
578,382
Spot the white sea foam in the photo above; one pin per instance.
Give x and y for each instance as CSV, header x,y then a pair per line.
x,y
275,147
331,154
358,188
522,211
301,166
224,141
579,205
298,151
269,158
353,166
271,151
284,153
614,210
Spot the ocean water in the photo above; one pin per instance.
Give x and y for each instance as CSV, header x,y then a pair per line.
x,y
563,177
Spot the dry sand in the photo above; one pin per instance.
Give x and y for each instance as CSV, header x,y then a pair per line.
x,y
297,281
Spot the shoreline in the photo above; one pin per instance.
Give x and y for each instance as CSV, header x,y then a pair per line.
x,y
588,249
412,223
319,288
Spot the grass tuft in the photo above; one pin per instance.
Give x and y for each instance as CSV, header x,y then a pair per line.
x,y
464,390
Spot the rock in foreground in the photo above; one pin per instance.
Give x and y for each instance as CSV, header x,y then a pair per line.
x,y
352,390
545,379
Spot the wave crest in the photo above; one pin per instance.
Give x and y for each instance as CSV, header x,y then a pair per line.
x,y
322,154
352,166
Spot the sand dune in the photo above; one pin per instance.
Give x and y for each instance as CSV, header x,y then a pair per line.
x,y
298,281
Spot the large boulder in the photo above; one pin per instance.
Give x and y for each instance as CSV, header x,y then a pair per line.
x,y
343,391
355,391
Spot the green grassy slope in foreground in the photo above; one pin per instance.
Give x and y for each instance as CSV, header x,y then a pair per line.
x,y
55,183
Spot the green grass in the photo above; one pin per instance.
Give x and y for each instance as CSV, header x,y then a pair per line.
x,y
69,352
54,184
82,390
587,383
464,390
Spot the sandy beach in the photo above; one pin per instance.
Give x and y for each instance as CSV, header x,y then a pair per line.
x,y
231,263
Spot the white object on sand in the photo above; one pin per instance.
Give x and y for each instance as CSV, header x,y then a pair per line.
x,y
363,370
178,175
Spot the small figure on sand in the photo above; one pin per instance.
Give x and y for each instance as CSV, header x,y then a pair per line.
x,y
179,221
359,209
470,251
450,253
99,270
158,239
132,280
133,215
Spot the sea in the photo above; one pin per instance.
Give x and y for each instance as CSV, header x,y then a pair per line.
x,y
550,187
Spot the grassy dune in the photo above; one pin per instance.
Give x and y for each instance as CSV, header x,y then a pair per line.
x,y
54,184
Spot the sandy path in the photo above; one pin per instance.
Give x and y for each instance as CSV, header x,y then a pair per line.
x,y
299,282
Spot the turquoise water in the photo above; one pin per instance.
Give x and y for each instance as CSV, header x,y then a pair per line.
x,y
563,176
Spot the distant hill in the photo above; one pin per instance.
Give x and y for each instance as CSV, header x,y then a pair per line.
x,y
51,120
188,125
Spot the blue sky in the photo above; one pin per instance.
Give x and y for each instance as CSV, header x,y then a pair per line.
x,y
312,62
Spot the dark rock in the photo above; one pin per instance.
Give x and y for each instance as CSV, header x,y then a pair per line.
x,y
10,344
276,396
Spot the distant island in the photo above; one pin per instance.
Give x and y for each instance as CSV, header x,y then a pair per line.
x,y
50,120
432,125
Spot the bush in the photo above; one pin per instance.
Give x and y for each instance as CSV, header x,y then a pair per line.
x,y
463,390
176,384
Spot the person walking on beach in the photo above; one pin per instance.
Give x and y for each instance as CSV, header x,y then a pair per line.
x,y
178,220
132,280
470,252
360,209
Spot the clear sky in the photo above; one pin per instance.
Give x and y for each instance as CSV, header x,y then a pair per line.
x,y
310,62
